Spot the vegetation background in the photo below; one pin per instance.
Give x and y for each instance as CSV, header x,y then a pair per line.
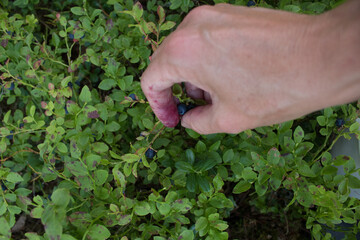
x,y
76,131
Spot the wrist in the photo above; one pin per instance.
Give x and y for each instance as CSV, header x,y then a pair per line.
x,y
338,41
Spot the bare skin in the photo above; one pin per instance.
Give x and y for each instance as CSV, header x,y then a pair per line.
x,y
255,67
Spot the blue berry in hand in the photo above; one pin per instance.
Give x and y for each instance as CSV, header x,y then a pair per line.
x,y
182,109
250,3
339,122
150,153
132,96
190,106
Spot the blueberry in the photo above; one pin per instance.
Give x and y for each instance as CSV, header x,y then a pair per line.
x,y
3,187
49,196
66,111
71,36
82,37
190,106
105,59
10,137
150,153
70,85
250,3
339,122
182,108
21,125
12,86
132,96
140,160
78,82
10,33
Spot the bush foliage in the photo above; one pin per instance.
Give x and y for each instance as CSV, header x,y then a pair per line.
x,y
73,141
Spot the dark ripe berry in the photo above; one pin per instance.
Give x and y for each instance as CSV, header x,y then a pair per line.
x,y
339,122
10,33
182,108
71,36
140,160
150,153
3,187
132,96
190,106
10,137
82,37
21,125
12,86
105,59
250,3
78,82
66,111
49,196
70,85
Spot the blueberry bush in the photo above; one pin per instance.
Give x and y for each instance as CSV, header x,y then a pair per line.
x,y
83,156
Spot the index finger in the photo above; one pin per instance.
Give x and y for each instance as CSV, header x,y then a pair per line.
x,y
156,86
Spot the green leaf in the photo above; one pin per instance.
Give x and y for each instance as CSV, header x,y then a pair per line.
x,y
142,208
161,14
190,156
124,219
261,188
98,232
273,156
228,155
100,147
187,235
203,183
305,170
62,147
298,134
329,170
14,177
191,182
164,208
248,174
85,95
130,158
119,177
112,126
184,166
3,146
107,84
321,120
218,183
354,127
201,223
61,197
5,230
137,11
100,176
77,11
354,182
241,186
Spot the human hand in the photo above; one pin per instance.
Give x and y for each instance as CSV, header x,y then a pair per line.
x,y
254,67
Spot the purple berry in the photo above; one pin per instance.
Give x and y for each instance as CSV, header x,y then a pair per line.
x,y
182,109
132,96
12,86
150,153
250,3
10,137
339,122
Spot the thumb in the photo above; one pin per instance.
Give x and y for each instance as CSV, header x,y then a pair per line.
x,y
201,119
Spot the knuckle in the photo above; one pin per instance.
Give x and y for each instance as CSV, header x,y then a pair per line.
x,y
198,12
